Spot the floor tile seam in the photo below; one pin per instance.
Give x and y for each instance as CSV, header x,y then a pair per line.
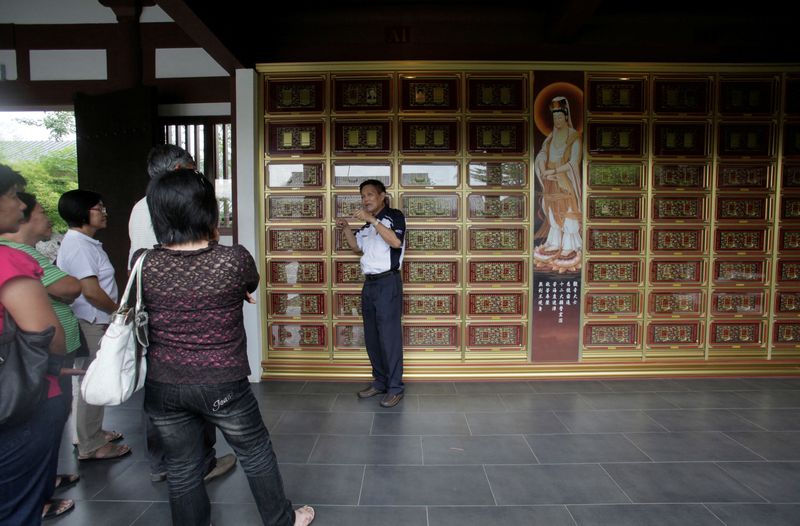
x,y
361,488
745,446
656,422
466,421
555,415
537,463
277,422
732,476
750,421
525,438
142,514
616,483
422,450
626,437
705,505
489,483
313,448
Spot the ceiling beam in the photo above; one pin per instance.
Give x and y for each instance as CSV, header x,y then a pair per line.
x,y
191,24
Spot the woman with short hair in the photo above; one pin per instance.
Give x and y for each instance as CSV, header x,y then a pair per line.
x,y
197,367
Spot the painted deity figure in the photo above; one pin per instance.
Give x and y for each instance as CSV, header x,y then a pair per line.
x,y
558,170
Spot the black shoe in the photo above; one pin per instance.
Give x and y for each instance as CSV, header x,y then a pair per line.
x,y
369,391
391,400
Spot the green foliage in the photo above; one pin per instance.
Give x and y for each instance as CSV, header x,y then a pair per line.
x,y
49,177
59,123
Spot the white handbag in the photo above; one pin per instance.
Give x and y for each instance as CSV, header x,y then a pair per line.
x,y
119,369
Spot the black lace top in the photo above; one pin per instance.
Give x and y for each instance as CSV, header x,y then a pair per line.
x,y
194,299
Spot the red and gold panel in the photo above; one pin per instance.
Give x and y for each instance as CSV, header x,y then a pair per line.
x,y
672,302
616,303
497,93
616,138
741,208
736,333
788,271
606,335
295,138
347,303
677,271
345,205
295,239
349,336
429,174
295,304
745,139
430,304
747,96
486,272
295,175
613,271
674,333
616,95
497,137
684,240
295,95
429,137
430,336
786,333
340,243
497,239
679,208
296,272
355,137
729,272
605,240
790,208
497,206
737,176
737,302
787,302
431,239
496,335
347,273
496,303
421,93
295,207
616,176
682,96
791,176
430,207
679,176
496,174
685,139
297,335
429,272
741,240
615,207
362,94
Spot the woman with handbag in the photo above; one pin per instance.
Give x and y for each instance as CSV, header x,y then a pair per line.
x,y
197,364
27,428
83,257
62,290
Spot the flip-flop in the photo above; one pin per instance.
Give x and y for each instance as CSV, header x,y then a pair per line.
x,y
110,436
57,507
65,480
115,452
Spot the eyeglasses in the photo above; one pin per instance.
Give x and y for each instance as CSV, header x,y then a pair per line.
x,y
100,209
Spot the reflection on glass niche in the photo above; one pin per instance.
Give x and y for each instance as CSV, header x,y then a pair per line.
x,y
429,174
505,174
353,174
295,175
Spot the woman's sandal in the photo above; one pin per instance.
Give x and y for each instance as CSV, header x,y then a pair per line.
x,y
110,436
56,507
66,480
303,516
107,452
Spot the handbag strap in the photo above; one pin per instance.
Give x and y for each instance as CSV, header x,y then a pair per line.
x,y
135,277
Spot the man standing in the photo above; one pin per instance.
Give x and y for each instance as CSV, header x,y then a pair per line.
x,y
162,159
380,243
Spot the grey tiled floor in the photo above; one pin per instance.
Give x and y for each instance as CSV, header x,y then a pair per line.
x,y
717,451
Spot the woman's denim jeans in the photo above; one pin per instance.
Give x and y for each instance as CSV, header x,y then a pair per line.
x,y
179,412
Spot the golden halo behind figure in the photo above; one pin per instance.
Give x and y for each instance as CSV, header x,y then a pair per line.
x,y
541,106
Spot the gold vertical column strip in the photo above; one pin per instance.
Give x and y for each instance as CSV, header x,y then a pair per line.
x,y
712,212
778,197
531,221
647,225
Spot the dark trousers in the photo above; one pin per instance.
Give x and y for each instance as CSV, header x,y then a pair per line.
x,y
180,412
27,477
155,450
381,307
